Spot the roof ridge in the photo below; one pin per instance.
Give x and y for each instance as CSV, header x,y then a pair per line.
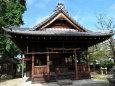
x,y
59,8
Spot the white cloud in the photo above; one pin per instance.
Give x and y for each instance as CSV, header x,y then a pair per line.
x,y
29,2
76,17
87,20
112,11
40,19
40,5
26,20
112,6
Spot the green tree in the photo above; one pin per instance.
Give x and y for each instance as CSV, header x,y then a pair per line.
x,y
105,23
98,53
10,14
105,49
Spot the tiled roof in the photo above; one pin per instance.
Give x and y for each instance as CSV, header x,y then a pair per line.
x,y
56,32
59,32
59,8
16,28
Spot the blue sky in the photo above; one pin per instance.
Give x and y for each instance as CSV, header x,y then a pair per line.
x,y
83,11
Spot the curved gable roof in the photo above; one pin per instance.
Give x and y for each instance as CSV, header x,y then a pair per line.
x,y
59,11
42,29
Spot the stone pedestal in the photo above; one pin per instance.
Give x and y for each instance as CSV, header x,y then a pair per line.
x,y
112,80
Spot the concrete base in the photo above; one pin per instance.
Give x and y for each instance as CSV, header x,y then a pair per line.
x,y
66,82
111,81
90,82
86,82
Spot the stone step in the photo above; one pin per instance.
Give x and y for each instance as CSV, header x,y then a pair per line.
x,y
66,82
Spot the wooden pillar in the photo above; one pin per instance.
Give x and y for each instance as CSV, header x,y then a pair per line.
x,y
76,66
48,66
88,63
33,67
27,49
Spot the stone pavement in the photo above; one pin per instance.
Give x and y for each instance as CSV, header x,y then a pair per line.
x,y
86,82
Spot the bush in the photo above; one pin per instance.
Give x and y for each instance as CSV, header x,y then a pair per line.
x,y
107,63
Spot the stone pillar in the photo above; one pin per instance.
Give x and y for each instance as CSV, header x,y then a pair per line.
x,y
102,69
22,68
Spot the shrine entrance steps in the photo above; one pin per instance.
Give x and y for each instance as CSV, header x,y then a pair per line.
x,y
54,77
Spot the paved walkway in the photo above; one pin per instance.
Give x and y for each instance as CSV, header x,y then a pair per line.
x,y
27,82
87,82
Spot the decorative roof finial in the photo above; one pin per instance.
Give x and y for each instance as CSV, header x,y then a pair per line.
x,y
60,7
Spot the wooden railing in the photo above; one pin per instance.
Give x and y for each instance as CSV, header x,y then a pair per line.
x,y
82,68
43,69
40,70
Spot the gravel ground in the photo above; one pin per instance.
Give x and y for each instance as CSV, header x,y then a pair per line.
x,y
12,82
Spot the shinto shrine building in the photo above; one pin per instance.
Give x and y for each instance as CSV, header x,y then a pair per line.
x,y
57,47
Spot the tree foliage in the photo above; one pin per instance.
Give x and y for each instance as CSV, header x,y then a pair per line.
x,y
105,23
107,48
82,57
99,52
10,14
107,63
101,56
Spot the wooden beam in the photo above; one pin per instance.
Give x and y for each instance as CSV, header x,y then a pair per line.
x,y
33,67
49,52
26,59
76,66
63,48
46,52
48,66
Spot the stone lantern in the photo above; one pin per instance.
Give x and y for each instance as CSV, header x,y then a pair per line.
x,y
112,80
